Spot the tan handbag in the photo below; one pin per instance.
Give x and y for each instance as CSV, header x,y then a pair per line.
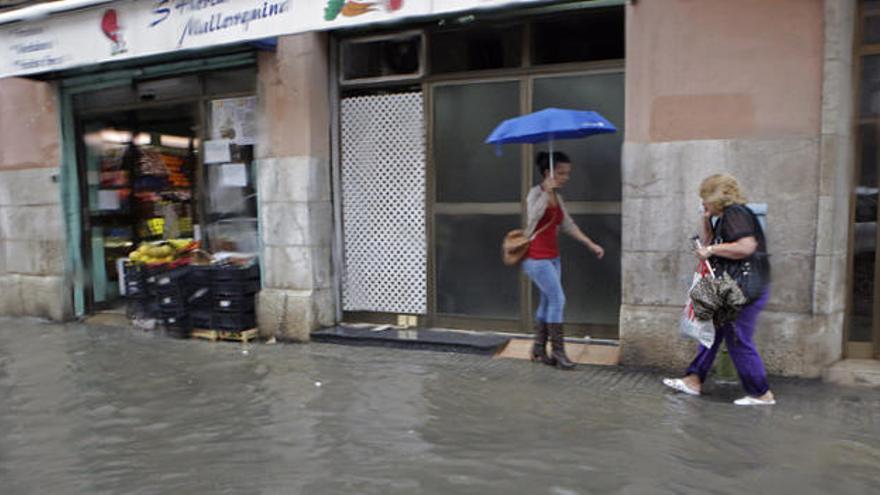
x,y
515,244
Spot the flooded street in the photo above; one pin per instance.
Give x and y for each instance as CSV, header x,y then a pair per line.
x,y
115,410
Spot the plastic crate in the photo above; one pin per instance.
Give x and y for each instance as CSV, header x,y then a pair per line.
x,y
234,303
201,275
233,321
200,319
175,276
238,287
233,274
200,297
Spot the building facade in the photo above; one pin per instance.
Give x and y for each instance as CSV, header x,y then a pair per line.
x,y
370,195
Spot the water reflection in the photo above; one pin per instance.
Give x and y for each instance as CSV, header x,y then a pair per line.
x,y
102,410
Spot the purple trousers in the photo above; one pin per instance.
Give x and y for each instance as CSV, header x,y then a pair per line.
x,y
741,347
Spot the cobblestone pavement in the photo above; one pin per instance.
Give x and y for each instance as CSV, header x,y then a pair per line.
x,y
118,410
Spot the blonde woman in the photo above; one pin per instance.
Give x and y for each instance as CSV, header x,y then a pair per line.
x,y
736,235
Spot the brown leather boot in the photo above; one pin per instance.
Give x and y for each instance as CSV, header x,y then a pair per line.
x,y
539,348
557,343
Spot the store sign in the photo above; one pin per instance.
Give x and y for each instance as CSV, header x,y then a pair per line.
x,y
137,28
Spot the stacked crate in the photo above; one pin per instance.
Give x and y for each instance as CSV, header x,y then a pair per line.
x,y
234,297
214,297
173,290
140,305
201,295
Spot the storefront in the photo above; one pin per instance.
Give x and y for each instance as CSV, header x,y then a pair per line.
x,y
415,106
144,174
368,192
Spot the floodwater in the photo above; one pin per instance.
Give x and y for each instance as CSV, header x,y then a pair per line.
x,y
115,410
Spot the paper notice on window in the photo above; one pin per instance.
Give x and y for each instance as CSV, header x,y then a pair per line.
x,y
108,199
217,151
233,175
235,119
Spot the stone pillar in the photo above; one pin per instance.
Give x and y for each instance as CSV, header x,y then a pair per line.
x,y
293,162
32,242
837,162
719,86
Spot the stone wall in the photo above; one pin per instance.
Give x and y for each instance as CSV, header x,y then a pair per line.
x,y
296,215
717,86
32,242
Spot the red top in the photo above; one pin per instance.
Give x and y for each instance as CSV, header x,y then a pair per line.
x,y
545,245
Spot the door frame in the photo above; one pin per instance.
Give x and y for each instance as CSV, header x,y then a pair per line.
x,y
79,81
525,77
856,349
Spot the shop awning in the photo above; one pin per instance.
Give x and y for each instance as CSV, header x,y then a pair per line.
x,y
73,33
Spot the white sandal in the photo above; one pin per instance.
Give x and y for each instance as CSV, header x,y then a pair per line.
x,y
679,385
754,401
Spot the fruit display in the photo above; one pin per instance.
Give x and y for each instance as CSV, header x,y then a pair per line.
x,y
163,252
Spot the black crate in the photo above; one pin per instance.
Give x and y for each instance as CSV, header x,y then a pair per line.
x,y
135,290
200,297
133,272
178,312
180,321
238,287
235,322
234,303
172,301
174,276
201,275
180,327
235,274
200,319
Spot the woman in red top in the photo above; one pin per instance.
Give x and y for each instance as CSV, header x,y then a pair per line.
x,y
546,213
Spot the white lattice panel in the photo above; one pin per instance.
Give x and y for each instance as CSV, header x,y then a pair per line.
x,y
383,203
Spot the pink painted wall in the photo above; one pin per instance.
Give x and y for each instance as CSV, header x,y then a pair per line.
x,y
722,69
294,98
29,135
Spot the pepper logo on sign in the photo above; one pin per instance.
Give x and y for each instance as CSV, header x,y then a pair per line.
x,y
113,32
354,8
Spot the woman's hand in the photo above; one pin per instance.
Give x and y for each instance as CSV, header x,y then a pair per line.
x,y
549,184
598,251
703,253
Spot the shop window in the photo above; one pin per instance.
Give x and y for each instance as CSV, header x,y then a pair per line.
x,y
584,38
398,56
476,49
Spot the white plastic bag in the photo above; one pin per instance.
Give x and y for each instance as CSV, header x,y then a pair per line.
x,y
703,331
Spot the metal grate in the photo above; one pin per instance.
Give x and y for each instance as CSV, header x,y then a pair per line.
x,y
383,203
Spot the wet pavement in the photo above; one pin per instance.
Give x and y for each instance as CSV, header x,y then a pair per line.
x,y
117,410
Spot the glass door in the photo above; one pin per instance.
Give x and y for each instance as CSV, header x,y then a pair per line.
x,y
478,197
137,175
592,196
476,201
863,327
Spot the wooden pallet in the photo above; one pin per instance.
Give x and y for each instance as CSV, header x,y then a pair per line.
x,y
214,335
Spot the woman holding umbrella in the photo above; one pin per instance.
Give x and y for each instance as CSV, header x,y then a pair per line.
x,y
546,213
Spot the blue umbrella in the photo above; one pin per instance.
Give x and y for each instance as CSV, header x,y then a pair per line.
x,y
550,124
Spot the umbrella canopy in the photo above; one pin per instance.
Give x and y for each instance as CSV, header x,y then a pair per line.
x,y
550,124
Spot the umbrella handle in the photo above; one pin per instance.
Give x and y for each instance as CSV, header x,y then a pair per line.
x,y
551,157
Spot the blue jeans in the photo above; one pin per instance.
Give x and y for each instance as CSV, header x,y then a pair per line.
x,y
547,276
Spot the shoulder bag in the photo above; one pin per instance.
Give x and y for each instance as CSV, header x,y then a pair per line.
x,y
515,244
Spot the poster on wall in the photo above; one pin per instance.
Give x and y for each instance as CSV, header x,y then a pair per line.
x,y
235,119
